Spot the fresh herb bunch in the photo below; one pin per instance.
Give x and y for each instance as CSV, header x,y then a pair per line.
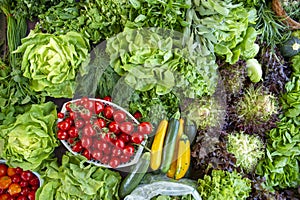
x,y
248,150
292,8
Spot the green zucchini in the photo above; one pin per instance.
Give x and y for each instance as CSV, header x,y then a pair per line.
x,y
132,180
170,143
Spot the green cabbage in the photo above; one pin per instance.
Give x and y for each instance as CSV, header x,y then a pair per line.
x,y
52,62
30,140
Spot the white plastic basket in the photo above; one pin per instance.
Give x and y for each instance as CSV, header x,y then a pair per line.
x,y
138,151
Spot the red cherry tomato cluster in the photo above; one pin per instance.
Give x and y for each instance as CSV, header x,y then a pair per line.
x,y
17,184
101,132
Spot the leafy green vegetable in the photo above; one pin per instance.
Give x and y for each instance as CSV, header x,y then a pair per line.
x,y
30,140
51,62
248,150
254,70
224,185
75,179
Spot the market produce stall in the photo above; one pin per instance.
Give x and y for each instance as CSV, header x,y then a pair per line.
x,y
149,99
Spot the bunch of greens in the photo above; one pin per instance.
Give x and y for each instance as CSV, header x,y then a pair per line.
x,y
166,197
280,167
95,19
75,179
51,62
168,14
248,150
155,58
226,26
30,140
224,185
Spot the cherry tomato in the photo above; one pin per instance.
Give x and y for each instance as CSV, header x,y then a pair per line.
x,y
73,132
11,171
25,191
62,135
110,137
104,159
120,143
114,162
145,128
16,178
108,150
108,112
85,114
22,198
88,130
125,137
34,181
5,181
31,195
71,141
19,170
77,147
86,142
79,123
4,196
137,115
114,127
24,183
107,98
27,175
97,154
124,158
119,116
102,145
126,127
137,138
86,153
60,115
116,152
3,169
14,188
83,100
34,187
128,150
73,115
64,125
101,122
90,105
99,107
68,106
69,120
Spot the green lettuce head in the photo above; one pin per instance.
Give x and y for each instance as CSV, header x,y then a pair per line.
x,y
30,140
51,62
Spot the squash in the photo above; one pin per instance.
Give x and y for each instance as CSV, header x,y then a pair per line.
x,y
291,47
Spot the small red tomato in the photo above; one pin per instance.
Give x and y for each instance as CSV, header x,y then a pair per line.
x,y
116,152
100,122
120,143
86,153
128,150
23,183
97,154
27,175
105,159
86,142
137,115
73,132
79,123
5,181
11,171
124,158
126,127
68,106
125,137
77,147
103,146
60,115
69,120
14,188
34,181
137,138
99,107
145,128
71,141
24,191
83,100
110,137
114,162
73,115
64,125
19,170
4,196
107,98
16,178
3,169
34,187
88,130
114,127
119,116
62,135
22,198
90,105
108,112
31,195
85,114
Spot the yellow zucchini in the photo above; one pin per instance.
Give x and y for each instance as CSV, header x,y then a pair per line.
x,y
184,157
157,145
172,170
